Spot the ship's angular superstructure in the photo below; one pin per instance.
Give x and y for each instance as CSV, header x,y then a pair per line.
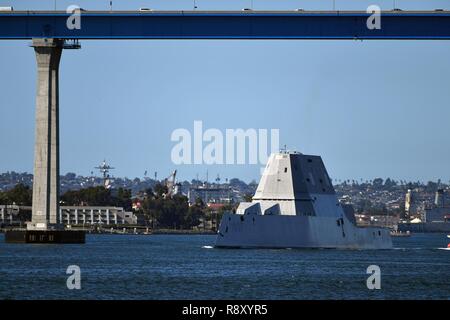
x,y
295,206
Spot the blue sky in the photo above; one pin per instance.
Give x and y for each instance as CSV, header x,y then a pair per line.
x,y
371,109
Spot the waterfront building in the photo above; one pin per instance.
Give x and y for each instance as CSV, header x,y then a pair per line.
x,y
9,214
79,215
210,194
76,215
435,219
440,212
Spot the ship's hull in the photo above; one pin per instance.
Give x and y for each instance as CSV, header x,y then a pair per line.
x,y
283,231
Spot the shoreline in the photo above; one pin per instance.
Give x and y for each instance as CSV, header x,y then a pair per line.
x,y
150,233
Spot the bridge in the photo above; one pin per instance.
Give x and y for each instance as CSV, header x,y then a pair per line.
x,y
225,25
49,31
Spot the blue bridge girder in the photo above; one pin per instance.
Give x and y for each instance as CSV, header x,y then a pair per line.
x,y
412,25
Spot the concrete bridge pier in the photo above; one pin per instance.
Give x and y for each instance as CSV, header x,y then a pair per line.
x,y
45,226
45,211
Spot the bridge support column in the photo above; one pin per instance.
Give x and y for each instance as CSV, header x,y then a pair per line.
x,y
45,225
45,212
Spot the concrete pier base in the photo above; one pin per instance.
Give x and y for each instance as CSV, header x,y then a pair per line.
x,y
44,236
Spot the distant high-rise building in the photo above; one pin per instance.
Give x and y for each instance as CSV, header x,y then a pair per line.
x,y
439,200
410,204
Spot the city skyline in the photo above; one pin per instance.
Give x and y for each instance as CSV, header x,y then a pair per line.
x,y
212,179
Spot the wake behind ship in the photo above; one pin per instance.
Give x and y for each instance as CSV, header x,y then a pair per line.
x,y
295,206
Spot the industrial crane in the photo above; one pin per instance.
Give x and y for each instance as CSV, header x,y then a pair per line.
x,y
170,183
